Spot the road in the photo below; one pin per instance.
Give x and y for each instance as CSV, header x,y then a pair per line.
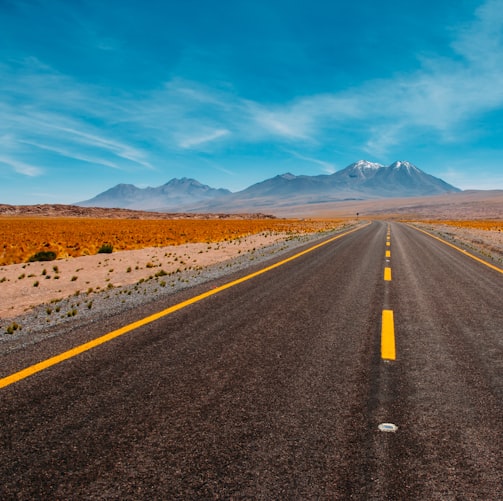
x,y
275,388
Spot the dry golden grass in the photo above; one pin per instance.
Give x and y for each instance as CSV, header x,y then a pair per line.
x,y
23,237
486,225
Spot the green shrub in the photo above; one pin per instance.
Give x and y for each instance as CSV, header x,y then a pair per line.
x,y
43,256
106,249
12,328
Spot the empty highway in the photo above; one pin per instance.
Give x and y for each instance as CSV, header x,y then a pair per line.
x,y
370,367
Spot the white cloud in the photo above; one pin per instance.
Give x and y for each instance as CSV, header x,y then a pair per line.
x,y
21,167
328,167
55,113
198,140
73,154
117,148
382,138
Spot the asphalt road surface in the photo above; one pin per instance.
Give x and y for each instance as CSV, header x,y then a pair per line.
x,y
275,388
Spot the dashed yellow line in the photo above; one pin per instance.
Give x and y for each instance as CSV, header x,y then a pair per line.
x,y
45,364
387,274
388,351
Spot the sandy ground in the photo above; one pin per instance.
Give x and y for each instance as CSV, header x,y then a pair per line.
x,y
23,286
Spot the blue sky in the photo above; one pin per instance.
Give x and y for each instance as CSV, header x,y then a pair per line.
x,y
96,93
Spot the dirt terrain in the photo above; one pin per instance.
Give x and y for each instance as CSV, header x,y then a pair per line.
x,y
25,285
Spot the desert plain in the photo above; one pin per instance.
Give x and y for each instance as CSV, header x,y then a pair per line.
x,y
144,249
138,250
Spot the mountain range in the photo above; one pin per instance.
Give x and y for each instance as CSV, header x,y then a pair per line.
x,y
361,180
177,194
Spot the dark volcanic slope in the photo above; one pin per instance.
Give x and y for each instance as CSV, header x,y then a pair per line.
x,y
274,388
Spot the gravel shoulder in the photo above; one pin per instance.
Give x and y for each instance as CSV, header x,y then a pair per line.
x,y
485,244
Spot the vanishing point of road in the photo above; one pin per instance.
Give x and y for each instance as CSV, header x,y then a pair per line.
x,y
369,367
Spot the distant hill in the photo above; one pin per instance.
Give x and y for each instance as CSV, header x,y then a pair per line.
x,y
361,180
177,194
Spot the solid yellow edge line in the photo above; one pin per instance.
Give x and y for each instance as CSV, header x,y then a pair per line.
x,y
388,336
387,274
466,253
45,364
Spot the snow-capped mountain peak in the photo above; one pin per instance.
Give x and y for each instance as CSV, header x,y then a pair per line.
x,y
404,164
365,164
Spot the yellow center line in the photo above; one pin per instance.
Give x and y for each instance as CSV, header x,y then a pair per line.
x,y
489,265
388,244
387,274
45,364
388,351
388,253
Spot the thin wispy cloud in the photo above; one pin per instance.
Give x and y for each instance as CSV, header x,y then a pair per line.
x,y
62,120
327,167
119,149
21,167
72,154
198,140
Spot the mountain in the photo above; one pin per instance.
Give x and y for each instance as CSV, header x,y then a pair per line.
x,y
400,179
177,194
359,181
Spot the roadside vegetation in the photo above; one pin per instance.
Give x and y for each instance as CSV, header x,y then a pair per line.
x,y
37,239
486,225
